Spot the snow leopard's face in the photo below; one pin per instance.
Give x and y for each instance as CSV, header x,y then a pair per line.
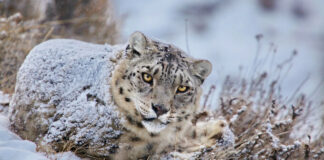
x,y
160,82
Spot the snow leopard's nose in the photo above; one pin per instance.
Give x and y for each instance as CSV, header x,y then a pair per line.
x,y
159,109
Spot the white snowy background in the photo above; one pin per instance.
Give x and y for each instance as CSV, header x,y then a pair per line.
x,y
222,31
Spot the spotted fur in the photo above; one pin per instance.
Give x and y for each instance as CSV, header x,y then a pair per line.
x,y
155,110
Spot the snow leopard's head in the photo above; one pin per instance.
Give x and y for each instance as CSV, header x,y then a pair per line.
x,y
157,84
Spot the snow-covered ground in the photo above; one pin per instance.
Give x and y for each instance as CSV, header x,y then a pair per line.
x,y
13,147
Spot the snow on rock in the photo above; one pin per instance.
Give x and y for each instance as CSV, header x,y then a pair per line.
x,y
62,96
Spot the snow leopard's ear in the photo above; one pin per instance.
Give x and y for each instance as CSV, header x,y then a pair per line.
x,y
138,42
201,69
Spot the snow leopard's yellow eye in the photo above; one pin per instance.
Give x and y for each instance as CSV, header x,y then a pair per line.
x,y
182,89
147,78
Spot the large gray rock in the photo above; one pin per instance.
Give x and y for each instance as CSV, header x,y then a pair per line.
x,y
60,73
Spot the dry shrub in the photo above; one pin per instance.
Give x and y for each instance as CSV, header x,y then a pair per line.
x,y
90,21
262,119
16,39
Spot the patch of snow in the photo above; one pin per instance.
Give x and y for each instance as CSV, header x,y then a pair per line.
x,y
9,153
4,122
19,144
180,156
234,118
274,140
13,147
240,111
5,134
228,138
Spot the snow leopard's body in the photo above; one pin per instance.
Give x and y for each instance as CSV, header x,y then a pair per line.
x,y
125,102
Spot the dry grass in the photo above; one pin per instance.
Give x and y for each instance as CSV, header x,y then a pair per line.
x,y
262,119
16,39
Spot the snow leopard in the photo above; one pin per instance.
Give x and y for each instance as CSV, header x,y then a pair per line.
x,y
112,102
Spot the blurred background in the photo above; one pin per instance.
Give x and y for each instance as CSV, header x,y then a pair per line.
x,y
238,37
224,31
